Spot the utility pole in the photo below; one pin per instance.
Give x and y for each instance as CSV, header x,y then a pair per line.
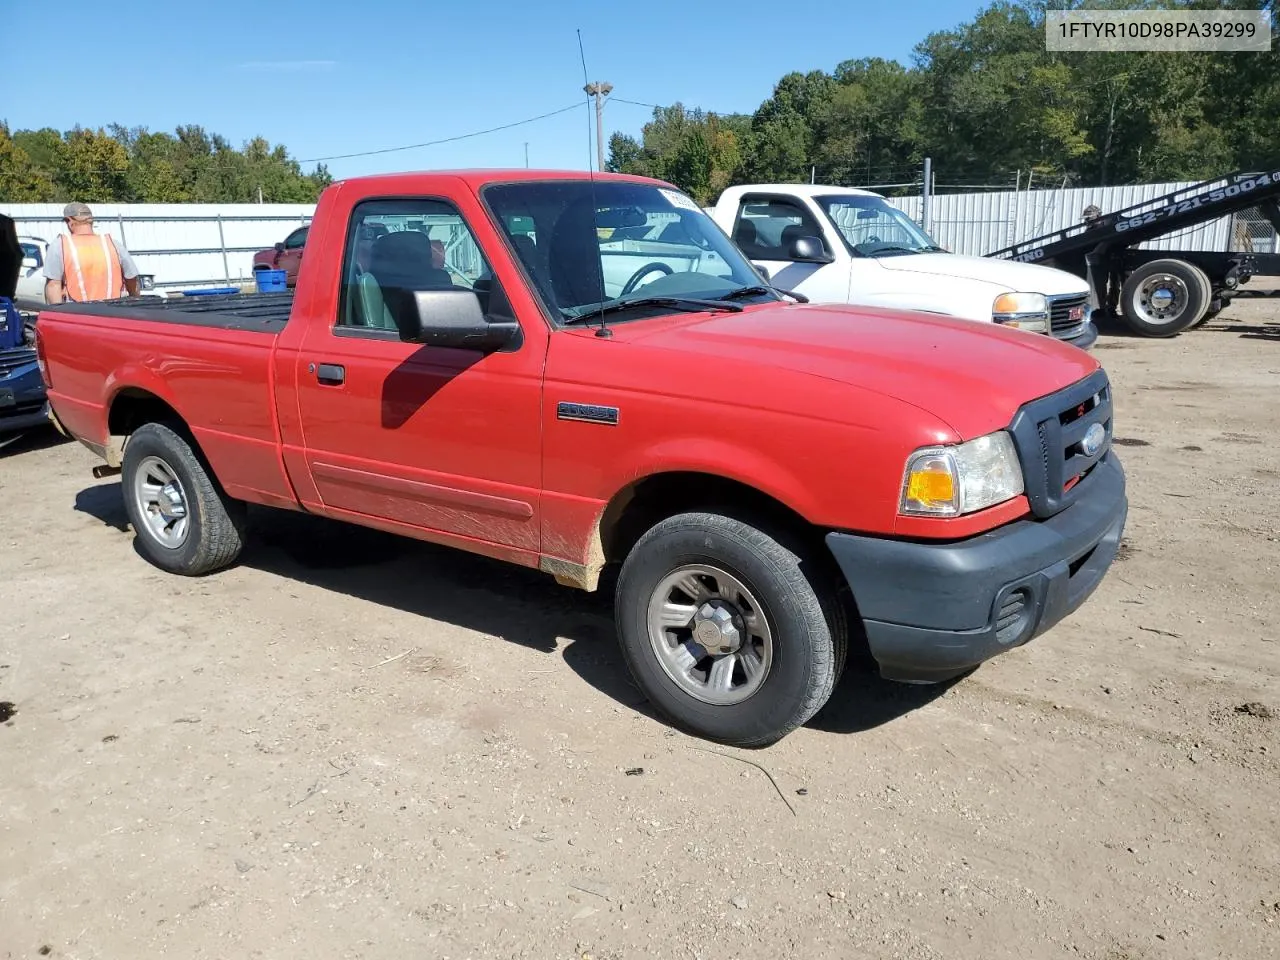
x,y
926,196
600,91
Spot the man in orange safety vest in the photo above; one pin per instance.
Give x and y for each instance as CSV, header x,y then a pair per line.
x,y
83,265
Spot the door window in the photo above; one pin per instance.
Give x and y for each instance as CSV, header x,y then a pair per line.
x,y
398,248
297,239
767,226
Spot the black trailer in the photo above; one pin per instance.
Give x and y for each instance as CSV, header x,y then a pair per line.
x,y
1160,293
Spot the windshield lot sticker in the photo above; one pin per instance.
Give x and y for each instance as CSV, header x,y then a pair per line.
x,y
679,200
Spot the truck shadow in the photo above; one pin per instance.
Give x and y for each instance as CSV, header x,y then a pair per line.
x,y
29,441
501,600
1247,331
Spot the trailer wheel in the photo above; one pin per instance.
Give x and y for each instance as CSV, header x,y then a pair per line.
x,y
1164,297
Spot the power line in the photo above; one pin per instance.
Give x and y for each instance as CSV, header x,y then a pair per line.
x,y
461,136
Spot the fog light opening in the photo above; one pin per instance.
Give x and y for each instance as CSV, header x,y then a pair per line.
x,y
1013,618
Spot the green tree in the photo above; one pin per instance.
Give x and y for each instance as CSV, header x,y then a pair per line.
x,y
138,165
699,152
93,167
21,181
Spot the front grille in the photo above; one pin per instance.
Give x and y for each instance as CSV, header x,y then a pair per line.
x,y
1049,434
11,360
1061,323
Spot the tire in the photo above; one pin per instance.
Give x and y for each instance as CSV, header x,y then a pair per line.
x,y
213,533
785,606
1184,287
1216,306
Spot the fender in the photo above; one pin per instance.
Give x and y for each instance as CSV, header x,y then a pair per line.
x,y
720,458
573,527
133,375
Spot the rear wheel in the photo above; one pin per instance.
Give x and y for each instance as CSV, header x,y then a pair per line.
x,y
727,630
1164,297
182,521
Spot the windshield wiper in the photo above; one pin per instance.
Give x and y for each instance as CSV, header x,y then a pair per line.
x,y
886,249
759,290
679,303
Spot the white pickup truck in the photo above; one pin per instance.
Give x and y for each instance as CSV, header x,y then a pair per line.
x,y
842,245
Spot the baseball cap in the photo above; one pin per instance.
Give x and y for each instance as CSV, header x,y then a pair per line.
x,y
77,211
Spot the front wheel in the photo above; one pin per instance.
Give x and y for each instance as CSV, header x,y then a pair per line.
x,y
727,631
182,520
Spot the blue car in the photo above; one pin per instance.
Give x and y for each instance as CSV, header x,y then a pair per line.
x,y
24,402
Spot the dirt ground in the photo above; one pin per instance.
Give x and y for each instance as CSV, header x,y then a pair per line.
x,y
354,746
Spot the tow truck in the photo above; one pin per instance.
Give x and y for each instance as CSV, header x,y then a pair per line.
x,y
1160,293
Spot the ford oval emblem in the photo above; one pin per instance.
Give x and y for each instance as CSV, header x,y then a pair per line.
x,y
1093,440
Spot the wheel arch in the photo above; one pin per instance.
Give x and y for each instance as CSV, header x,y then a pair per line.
x,y
649,499
129,408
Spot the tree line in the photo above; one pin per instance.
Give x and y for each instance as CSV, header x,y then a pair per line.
x,y
137,165
988,103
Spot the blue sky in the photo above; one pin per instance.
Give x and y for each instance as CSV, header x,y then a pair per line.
x,y
328,77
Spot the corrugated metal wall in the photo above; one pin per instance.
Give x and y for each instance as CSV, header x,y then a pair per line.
x,y
182,244
981,223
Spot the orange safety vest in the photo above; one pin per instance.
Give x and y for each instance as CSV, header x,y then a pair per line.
x,y
90,267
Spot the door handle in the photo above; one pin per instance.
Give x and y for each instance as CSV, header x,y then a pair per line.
x,y
331,374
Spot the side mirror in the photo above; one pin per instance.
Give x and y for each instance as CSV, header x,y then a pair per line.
x,y
280,247
808,250
30,263
454,318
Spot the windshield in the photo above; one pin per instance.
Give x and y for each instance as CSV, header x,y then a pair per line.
x,y
872,228
587,244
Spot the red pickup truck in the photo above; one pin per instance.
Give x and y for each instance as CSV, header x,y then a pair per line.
x,y
770,480
285,255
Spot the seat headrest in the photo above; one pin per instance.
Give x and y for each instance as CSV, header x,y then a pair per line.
x,y
745,232
404,253
576,273
405,259
794,232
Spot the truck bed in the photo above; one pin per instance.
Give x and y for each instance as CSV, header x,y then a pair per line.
x,y
252,312
211,359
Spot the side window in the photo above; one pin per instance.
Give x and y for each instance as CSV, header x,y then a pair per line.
x,y
398,248
767,226
296,239
31,252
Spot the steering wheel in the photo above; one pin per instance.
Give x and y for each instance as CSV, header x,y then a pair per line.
x,y
643,272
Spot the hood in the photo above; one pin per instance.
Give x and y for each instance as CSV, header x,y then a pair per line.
x,y
1009,276
972,377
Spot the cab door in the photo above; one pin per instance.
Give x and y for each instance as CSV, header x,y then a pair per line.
x,y
439,442
766,228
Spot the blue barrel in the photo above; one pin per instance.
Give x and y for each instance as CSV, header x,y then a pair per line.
x,y
271,281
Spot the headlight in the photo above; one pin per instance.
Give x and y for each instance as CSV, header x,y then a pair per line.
x,y
146,281
950,481
1026,311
